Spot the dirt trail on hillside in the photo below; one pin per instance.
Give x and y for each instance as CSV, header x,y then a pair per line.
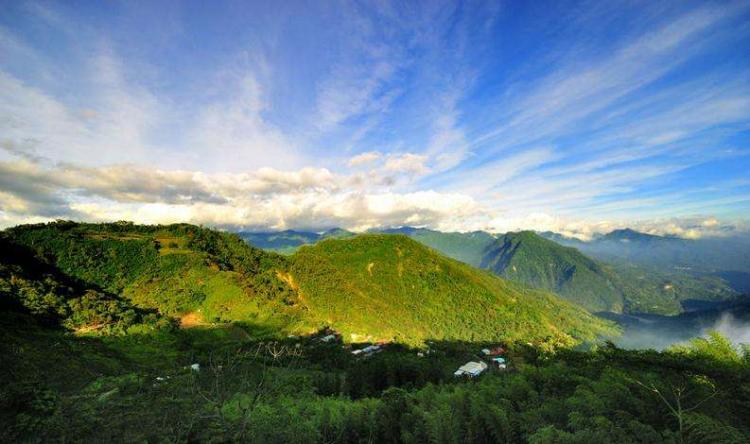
x,y
88,328
288,278
192,319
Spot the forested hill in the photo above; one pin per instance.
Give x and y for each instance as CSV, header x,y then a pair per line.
x,y
533,260
526,257
392,287
468,247
175,269
55,299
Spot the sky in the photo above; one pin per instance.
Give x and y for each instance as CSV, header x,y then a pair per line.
x,y
576,117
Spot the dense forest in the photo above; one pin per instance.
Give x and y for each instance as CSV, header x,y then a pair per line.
x,y
140,387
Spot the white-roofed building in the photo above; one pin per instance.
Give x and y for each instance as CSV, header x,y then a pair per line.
x,y
472,369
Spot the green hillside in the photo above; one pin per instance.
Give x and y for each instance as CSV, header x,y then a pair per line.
x,y
384,287
204,277
174,269
533,260
526,257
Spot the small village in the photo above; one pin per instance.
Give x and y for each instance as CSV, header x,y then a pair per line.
x,y
494,357
490,358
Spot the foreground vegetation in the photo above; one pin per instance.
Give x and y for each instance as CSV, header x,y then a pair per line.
x,y
136,388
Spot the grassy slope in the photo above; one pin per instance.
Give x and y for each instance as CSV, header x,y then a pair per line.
x,y
390,286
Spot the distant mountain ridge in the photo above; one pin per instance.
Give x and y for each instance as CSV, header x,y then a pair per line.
x,y
630,235
531,259
288,241
528,258
727,257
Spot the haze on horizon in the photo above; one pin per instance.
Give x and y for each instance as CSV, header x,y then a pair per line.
x,y
578,117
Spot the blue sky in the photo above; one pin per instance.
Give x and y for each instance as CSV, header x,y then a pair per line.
x,y
572,116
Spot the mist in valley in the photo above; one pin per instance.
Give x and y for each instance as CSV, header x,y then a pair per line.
x,y
661,332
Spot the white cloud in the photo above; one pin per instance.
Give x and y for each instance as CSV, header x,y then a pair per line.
x,y
233,136
365,158
309,198
407,163
688,227
269,198
353,91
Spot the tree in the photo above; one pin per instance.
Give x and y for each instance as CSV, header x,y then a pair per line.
x,y
683,398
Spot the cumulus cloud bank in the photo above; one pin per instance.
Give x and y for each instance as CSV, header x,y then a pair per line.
x,y
264,198
267,198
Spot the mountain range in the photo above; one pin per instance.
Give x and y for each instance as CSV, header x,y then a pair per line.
x,y
726,257
368,287
600,281
405,284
